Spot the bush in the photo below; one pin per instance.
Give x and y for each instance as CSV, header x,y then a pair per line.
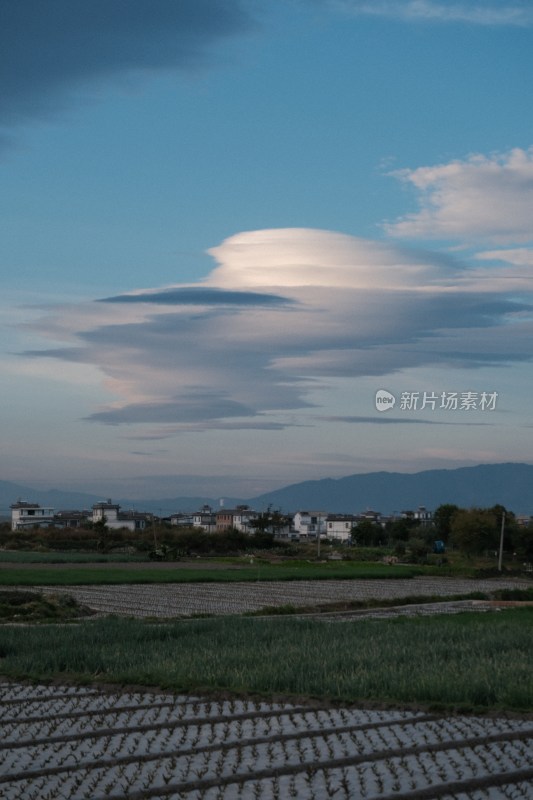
x,y
417,550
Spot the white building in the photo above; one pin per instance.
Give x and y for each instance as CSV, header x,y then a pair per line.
x,y
183,520
114,518
340,526
424,516
205,519
310,524
30,515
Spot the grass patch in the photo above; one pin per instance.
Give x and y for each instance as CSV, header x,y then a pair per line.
x,y
74,575
478,661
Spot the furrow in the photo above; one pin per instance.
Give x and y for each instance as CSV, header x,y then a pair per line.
x,y
435,790
141,727
222,765
228,744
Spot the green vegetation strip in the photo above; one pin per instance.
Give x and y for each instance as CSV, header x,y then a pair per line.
x,y
474,661
74,575
58,557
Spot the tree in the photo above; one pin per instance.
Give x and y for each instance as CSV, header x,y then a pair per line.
x,y
510,525
400,530
442,520
522,541
101,524
474,531
269,521
418,550
367,533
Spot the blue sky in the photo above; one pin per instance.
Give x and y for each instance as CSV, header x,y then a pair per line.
x,y
227,225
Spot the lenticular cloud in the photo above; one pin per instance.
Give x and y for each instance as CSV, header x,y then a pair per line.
x,y
300,257
312,305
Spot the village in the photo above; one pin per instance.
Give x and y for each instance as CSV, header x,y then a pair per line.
x,y
302,525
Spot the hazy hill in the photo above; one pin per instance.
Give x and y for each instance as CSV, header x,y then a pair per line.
x,y
483,485
11,492
58,499
387,492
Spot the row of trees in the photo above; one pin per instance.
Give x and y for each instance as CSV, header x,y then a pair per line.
x,y
158,541
472,531
478,529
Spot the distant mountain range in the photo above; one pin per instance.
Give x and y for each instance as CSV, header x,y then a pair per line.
x,y
510,485
62,500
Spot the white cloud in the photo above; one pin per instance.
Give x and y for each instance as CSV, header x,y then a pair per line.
x,y
519,256
300,257
353,308
480,199
488,13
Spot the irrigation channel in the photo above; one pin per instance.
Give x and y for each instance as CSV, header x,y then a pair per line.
x,y
86,743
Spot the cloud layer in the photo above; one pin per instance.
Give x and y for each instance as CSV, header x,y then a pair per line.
x,y
492,12
194,296
49,49
282,313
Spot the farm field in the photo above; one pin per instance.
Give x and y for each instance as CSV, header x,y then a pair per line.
x,y
174,600
87,743
27,573
31,557
239,718
446,660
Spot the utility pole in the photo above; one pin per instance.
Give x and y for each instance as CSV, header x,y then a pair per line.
x,y
500,556
318,537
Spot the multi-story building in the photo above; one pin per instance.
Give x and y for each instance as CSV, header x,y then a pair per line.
x,y
340,526
310,524
30,515
110,513
240,518
206,519
421,515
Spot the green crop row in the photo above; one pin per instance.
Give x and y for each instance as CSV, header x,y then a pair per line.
x,y
71,575
469,660
66,557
